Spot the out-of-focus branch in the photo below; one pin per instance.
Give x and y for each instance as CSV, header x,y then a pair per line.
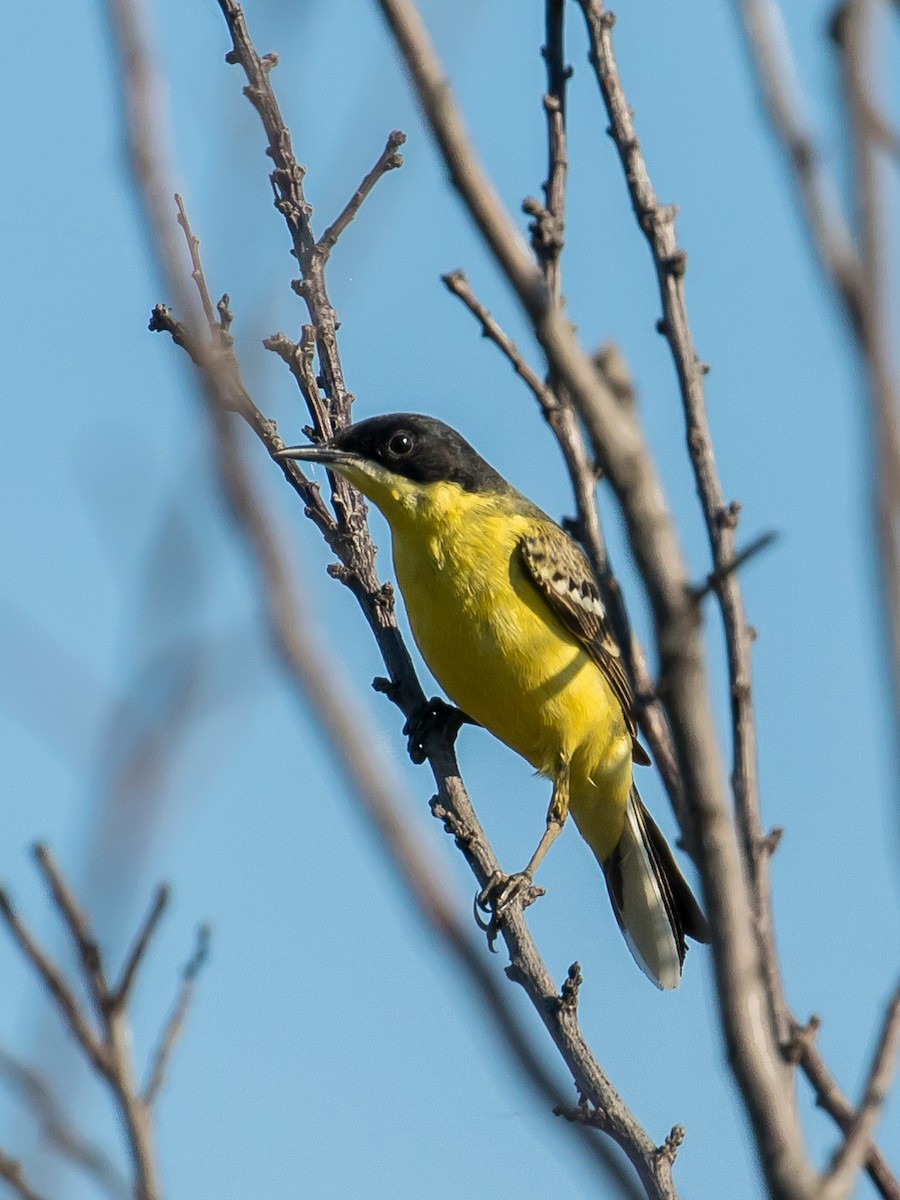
x,y
108,1049
854,1151
174,1027
57,988
755,1055
855,36
37,1095
122,990
776,79
854,266
12,1174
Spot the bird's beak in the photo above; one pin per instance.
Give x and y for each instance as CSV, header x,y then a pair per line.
x,y
328,455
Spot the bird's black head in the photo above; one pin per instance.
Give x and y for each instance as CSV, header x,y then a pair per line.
x,y
420,449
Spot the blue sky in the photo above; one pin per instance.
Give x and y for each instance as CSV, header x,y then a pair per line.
x,y
331,1050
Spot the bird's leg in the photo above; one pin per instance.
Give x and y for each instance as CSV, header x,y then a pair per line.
x,y
434,716
556,818
500,892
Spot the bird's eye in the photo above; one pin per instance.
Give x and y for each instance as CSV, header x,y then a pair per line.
x,y
400,445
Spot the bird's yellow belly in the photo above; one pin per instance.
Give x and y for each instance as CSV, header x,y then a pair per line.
x,y
502,656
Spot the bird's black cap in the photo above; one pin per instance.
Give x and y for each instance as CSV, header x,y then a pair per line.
x,y
419,448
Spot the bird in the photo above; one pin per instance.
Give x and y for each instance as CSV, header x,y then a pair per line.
x,y
507,614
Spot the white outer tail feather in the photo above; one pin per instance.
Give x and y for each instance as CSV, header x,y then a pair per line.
x,y
641,904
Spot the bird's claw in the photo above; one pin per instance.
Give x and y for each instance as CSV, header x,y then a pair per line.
x,y
432,716
498,894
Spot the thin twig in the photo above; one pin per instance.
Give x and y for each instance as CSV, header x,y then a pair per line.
x,y
111,1057
76,922
832,1100
174,1027
657,221
349,539
122,991
548,227
389,160
457,283
299,357
776,78
163,321
193,244
751,550
56,985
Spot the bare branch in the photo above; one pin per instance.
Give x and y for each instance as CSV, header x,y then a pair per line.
x,y
163,321
855,37
547,243
193,245
122,991
458,284
36,1092
388,160
299,358
349,536
547,230
287,182
776,78
830,1098
174,1026
111,1057
715,577
854,268
852,1154
55,983
77,924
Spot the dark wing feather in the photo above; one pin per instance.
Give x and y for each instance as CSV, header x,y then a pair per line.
x,y
564,578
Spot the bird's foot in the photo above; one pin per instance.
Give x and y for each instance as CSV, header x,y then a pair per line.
x,y
435,716
498,894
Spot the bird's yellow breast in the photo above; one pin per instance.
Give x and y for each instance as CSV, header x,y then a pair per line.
x,y
493,642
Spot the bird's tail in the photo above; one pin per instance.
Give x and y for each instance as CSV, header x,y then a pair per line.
x,y
652,901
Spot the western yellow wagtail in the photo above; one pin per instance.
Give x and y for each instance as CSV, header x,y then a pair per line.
x,y
506,612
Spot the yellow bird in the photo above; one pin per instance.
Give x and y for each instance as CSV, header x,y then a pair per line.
x,y
506,612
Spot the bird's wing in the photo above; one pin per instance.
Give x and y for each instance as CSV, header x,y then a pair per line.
x,y
562,575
